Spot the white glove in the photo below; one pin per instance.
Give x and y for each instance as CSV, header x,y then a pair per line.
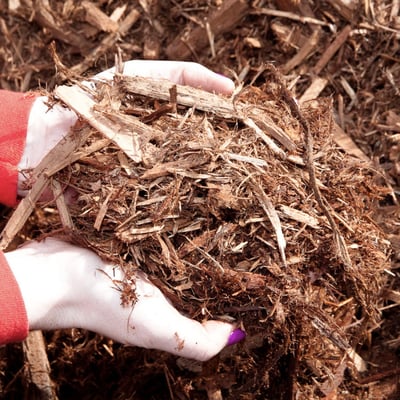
x,y
64,286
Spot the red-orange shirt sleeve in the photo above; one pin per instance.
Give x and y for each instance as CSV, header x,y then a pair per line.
x,y
14,115
13,319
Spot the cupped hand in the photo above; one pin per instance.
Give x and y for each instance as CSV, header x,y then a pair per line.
x,y
47,126
64,286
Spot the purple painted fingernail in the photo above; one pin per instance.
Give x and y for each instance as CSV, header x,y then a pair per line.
x,y
236,336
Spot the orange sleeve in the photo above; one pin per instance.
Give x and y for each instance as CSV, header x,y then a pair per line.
x,y
13,318
14,116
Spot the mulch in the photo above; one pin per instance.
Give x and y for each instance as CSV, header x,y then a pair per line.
x,y
277,207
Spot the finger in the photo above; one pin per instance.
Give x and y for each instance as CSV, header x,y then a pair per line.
x,y
155,323
172,332
196,75
183,73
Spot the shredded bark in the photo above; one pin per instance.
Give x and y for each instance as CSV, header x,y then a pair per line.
x,y
277,213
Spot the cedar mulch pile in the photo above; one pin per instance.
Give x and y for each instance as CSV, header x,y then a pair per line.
x,y
280,214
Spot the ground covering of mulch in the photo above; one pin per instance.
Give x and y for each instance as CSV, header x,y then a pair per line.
x,y
277,207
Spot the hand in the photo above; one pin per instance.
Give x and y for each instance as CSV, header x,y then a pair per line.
x,y
46,127
64,286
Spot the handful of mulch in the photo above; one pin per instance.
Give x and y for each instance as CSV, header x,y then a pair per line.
x,y
242,208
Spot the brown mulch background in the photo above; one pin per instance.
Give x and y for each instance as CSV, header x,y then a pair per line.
x,y
360,81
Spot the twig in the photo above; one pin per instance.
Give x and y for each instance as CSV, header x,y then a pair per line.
x,y
213,103
332,49
65,216
293,16
44,17
83,105
108,42
222,20
308,47
55,160
268,141
37,367
185,95
340,342
58,158
313,91
343,140
97,18
273,216
379,376
295,109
